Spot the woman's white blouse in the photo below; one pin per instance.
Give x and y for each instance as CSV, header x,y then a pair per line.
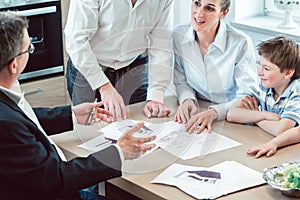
x,y
222,76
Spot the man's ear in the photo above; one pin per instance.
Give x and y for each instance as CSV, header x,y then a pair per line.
x,y
289,73
12,66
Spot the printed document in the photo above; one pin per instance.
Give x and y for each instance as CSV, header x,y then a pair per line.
x,y
210,183
170,136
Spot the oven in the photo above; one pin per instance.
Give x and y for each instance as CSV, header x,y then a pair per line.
x,y
45,31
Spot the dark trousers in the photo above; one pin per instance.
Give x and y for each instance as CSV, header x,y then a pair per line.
x,y
91,193
131,82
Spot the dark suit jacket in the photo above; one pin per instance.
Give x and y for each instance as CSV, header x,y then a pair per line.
x,y
30,167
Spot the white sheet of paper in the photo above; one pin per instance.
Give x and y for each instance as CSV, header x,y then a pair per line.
x,y
172,137
234,177
116,129
187,146
96,144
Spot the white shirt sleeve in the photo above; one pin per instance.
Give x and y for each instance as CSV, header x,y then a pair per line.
x,y
97,36
160,55
183,88
120,152
82,24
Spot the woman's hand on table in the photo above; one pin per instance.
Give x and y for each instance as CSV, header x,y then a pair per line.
x,y
201,121
185,111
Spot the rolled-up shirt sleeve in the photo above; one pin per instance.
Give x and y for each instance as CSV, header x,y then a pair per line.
x,y
160,54
82,24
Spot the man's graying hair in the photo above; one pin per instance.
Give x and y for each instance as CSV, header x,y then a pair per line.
x,y
11,36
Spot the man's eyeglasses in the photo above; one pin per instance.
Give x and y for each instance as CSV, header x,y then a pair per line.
x,y
29,50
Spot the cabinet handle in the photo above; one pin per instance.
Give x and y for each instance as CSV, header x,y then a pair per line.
x,y
33,91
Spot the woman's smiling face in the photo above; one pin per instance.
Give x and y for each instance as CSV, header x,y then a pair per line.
x,y
206,14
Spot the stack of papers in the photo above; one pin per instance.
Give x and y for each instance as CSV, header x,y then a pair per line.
x,y
170,136
210,183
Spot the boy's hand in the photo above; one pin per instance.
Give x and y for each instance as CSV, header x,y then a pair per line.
x,y
271,116
268,148
250,103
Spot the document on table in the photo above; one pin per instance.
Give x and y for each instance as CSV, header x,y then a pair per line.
x,y
170,136
187,146
116,129
96,144
210,183
113,131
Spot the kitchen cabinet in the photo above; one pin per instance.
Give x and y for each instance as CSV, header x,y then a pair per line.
x,y
48,92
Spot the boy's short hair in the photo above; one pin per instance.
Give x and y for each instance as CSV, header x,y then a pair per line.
x,y
11,36
282,51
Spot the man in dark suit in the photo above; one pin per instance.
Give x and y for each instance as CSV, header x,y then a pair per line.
x,y
31,165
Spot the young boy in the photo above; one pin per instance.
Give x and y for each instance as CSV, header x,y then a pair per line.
x,y
275,105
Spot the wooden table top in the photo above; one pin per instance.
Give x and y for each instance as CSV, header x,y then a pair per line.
x,y
138,174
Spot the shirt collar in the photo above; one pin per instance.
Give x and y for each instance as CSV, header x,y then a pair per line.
x,y
286,92
220,40
269,91
189,36
137,3
13,95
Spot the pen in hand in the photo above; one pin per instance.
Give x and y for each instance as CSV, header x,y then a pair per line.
x,y
89,120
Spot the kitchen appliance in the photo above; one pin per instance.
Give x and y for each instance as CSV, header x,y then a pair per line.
x,y
45,31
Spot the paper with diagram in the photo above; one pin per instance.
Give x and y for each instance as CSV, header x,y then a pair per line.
x,y
170,136
210,183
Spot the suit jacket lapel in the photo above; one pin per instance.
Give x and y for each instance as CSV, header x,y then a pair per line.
x,y
6,100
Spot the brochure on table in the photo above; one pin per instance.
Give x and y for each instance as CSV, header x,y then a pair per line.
x,y
170,136
210,183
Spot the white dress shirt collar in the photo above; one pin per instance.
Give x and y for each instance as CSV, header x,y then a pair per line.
x,y
13,94
219,41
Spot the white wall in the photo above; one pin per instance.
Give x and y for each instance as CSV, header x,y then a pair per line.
x,y
245,9
182,11
239,9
